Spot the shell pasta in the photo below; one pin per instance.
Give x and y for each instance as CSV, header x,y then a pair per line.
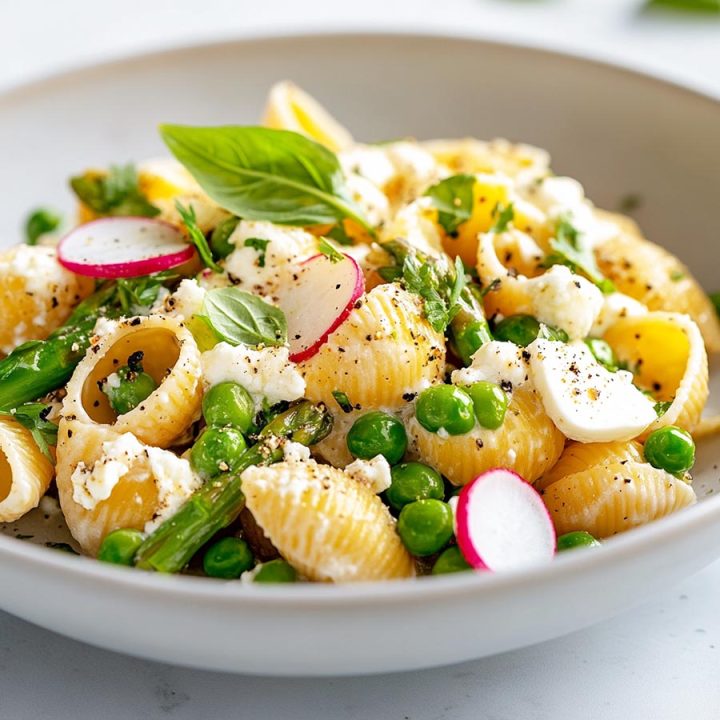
x,y
284,355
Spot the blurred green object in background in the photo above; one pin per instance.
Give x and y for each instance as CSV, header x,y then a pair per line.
x,y
706,6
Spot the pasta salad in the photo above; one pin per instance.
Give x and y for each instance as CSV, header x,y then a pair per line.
x,y
281,354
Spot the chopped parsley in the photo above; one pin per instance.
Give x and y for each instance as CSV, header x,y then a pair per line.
x,y
260,245
503,215
40,222
662,407
329,251
33,417
343,401
453,198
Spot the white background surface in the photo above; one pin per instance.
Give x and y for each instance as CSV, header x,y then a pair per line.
x,y
659,661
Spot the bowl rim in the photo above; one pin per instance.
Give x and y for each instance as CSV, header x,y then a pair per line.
x,y
614,550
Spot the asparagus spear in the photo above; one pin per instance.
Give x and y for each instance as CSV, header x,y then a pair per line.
x,y
468,329
217,503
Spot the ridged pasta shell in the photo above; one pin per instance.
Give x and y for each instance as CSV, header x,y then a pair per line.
x,y
610,498
527,442
383,350
132,503
655,277
325,524
171,357
290,108
25,473
667,354
579,456
37,294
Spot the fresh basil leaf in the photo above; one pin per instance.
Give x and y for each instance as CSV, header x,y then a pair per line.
x,y
504,216
198,239
114,193
329,251
343,401
240,318
33,416
453,198
264,174
260,245
39,222
569,250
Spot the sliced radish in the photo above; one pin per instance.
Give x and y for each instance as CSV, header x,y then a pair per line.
x,y
116,247
502,522
318,300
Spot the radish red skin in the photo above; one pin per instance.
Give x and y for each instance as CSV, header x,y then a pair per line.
x,y
357,292
462,520
129,268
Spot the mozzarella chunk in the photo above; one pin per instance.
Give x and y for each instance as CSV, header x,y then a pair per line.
x,y
185,302
585,401
267,373
616,306
564,300
503,363
374,473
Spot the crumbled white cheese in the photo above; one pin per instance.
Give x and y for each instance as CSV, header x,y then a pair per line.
x,y
295,452
92,485
374,473
113,380
616,306
186,301
49,505
503,363
564,300
175,482
264,270
585,401
266,373
104,327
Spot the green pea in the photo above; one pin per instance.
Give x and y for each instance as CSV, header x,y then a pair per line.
x,y
377,433
425,526
490,402
219,238
228,403
275,571
576,539
217,450
451,560
132,388
523,329
445,407
414,481
119,546
670,448
39,222
602,352
228,558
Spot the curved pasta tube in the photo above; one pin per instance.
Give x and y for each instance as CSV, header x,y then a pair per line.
x,y
655,277
25,473
382,351
327,525
37,294
171,357
469,155
290,108
611,497
667,354
527,442
579,456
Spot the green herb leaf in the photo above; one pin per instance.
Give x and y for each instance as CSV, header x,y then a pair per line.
x,y
264,174
33,416
569,250
505,214
240,318
333,255
116,193
137,295
198,239
662,407
706,6
339,235
220,244
260,245
453,197
343,401
39,222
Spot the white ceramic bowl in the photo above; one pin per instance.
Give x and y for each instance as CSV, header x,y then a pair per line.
x,y
617,131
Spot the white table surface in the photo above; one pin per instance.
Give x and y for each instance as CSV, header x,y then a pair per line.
x,y
661,660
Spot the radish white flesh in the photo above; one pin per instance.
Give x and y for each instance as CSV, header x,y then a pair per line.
x,y
502,523
318,300
123,247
